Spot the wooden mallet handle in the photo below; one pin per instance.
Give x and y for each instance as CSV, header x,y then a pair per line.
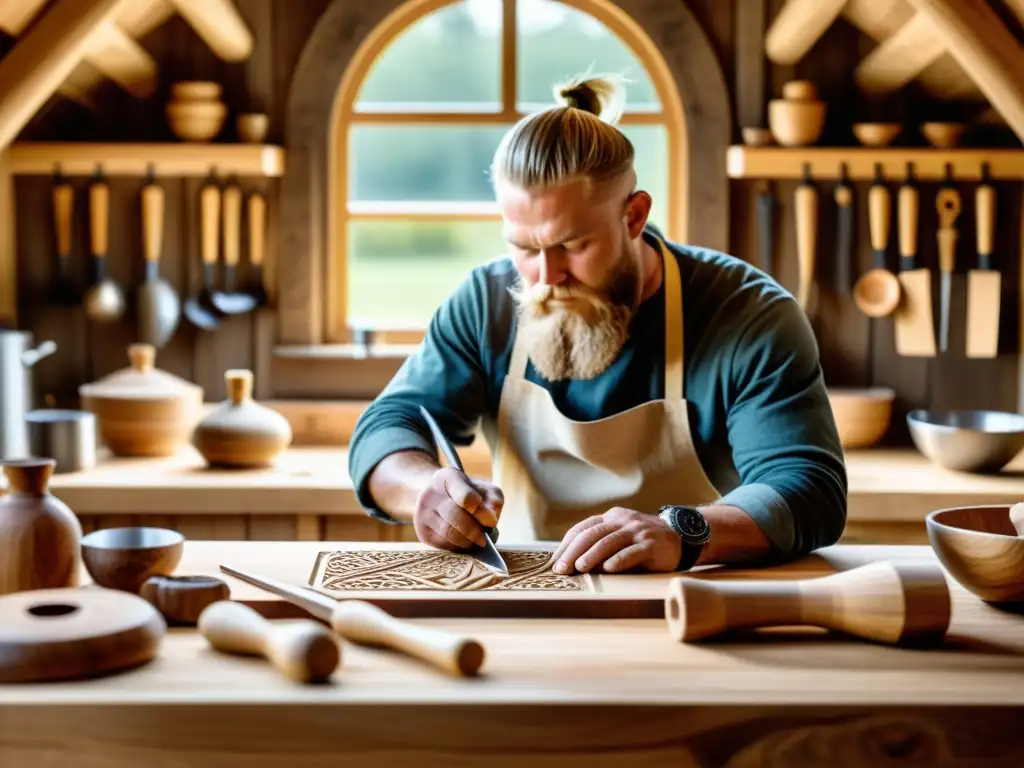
x,y
304,650
365,623
884,602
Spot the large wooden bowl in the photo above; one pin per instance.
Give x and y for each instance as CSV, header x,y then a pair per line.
x,y
862,415
981,550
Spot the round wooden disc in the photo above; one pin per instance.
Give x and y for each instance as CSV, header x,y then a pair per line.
x,y
61,634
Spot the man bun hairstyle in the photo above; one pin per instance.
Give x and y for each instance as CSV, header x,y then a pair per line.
x,y
576,138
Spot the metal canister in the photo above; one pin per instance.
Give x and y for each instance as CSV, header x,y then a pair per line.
x,y
67,436
17,394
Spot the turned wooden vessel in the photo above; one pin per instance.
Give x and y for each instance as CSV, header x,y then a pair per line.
x,y
798,118
39,534
181,599
982,549
240,432
141,410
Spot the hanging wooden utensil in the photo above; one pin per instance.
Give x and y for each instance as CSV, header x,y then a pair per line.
x,y
200,309
104,301
877,292
229,300
62,634
766,225
806,236
948,204
984,283
65,293
915,323
257,219
843,196
159,306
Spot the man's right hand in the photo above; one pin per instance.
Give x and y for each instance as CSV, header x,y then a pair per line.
x,y
452,512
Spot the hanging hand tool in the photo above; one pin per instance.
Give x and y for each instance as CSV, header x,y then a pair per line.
x,y
766,225
65,293
947,202
806,198
983,283
844,232
915,324
877,293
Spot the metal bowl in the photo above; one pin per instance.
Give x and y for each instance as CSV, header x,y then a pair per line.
x,y
967,441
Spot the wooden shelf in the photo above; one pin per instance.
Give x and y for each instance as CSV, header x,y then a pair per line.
x,y
826,162
135,159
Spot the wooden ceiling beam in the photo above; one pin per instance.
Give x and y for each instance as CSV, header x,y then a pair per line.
x,y
986,50
45,56
220,25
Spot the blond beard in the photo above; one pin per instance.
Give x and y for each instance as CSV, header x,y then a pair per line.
x,y
581,338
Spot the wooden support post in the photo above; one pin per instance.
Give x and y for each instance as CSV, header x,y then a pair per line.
x,y
8,241
44,57
220,24
986,50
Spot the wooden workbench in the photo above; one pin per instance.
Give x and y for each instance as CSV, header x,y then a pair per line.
x,y
554,692
309,496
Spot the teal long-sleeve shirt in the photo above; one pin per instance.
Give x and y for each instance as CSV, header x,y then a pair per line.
x,y
759,412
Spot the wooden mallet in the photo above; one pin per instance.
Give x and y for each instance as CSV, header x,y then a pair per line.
x,y
896,603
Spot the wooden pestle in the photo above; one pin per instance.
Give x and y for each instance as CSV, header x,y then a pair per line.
x,y
884,602
305,651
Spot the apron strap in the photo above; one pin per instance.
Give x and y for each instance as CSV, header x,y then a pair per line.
x,y
674,386
674,368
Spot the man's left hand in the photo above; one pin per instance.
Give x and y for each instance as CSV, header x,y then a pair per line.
x,y
619,540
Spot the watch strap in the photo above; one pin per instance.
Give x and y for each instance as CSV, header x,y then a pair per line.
x,y
691,548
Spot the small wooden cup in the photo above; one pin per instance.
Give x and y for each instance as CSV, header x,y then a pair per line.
x,y
124,558
252,128
182,598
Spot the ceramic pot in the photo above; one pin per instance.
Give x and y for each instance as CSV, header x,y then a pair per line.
x,y
40,536
240,432
143,411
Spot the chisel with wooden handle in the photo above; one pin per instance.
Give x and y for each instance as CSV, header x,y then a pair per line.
x,y
984,283
361,622
883,602
806,237
914,319
305,651
947,203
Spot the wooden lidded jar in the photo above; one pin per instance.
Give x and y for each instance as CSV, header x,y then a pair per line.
x,y
141,410
241,433
40,537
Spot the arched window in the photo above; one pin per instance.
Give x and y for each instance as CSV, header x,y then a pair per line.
x,y
419,114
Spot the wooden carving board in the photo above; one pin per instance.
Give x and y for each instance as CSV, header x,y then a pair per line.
x,y
422,581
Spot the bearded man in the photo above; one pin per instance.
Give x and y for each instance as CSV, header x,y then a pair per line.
x,y
649,405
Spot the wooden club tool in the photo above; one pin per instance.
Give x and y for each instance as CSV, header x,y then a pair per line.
x,y
366,624
983,283
305,651
884,602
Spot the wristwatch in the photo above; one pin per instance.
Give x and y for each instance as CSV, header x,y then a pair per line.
x,y
692,527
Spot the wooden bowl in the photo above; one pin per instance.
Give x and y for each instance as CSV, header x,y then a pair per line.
x,y
862,415
980,549
757,137
196,121
196,90
876,134
180,599
796,123
252,128
943,135
124,558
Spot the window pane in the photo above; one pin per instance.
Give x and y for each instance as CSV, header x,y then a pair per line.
x,y
448,61
651,145
401,271
555,42
421,162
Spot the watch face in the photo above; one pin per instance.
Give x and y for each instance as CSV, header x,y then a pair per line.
x,y
691,523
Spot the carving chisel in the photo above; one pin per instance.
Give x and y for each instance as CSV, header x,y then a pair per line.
x,y
487,554
915,326
948,204
361,622
844,233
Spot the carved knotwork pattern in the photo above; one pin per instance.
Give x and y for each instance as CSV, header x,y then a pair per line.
x,y
437,571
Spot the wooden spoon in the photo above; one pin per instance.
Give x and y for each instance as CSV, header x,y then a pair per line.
x,y
104,301
896,603
877,292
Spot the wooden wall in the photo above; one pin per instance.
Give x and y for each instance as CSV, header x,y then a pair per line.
x,y
855,351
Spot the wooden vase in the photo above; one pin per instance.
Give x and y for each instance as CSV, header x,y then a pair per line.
x,y
241,433
40,536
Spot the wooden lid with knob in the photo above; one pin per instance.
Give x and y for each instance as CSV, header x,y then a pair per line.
x,y
141,380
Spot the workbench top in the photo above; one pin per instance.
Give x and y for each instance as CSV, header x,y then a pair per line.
x,y
549,688
885,485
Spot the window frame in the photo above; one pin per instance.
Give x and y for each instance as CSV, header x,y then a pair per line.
x,y
629,32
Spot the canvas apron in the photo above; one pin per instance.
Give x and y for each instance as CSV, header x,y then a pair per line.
x,y
555,471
